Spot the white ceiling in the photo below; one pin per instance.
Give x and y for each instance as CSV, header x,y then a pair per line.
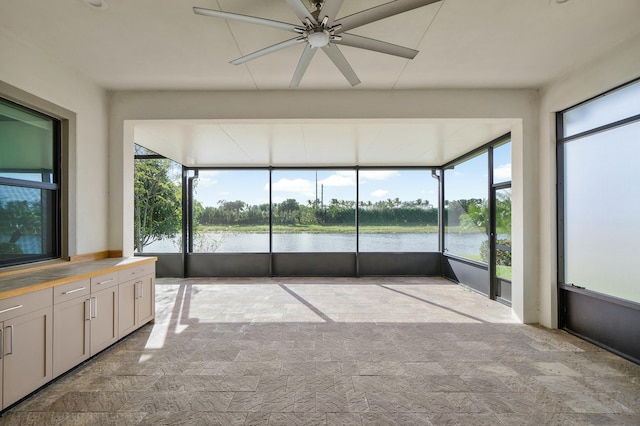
x,y
409,142
163,45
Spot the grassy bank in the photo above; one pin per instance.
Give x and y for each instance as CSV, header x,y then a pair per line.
x,y
502,271
322,229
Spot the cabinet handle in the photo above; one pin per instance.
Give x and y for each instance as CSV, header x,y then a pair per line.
x,y
106,281
74,291
87,312
141,290
10,309
10,340
94,311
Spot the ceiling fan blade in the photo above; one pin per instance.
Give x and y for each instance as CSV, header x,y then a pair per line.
x,y
267,50
305,59
339,60
301,10
330,9
375,45
248,19
379,12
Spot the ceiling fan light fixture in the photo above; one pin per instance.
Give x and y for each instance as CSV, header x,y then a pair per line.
x,y
319,39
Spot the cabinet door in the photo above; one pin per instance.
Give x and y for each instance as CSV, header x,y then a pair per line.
x,y
146,300
127,318
104,319
136,304
26,354
71,330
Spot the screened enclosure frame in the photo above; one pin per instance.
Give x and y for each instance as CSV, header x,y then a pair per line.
x,y
191,173
478,276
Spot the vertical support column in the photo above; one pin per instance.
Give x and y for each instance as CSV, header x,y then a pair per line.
x,y
525,223
121,180
491,205
560,226
439,175
270,221
357,221
185,221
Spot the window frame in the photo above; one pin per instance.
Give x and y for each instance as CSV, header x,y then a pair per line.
x,y
561,142
55,233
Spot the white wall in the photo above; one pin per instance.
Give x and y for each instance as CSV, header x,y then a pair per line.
x,y
619,66
34,72
521,106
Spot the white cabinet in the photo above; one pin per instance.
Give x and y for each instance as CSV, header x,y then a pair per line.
x,y
26,344
45,333
71,325
136,298
104,311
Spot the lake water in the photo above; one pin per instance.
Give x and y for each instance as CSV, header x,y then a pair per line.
x,y
215,242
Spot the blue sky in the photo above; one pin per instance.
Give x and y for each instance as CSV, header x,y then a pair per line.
x,y
469,180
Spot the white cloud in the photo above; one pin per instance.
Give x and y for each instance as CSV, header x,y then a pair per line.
x,y
206,182
339,179
200,189
379,193
299,186
503,172
377,174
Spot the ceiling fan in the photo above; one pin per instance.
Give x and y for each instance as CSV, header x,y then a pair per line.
x,y
321,29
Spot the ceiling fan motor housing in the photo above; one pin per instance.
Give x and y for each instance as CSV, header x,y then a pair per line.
x,y
319,38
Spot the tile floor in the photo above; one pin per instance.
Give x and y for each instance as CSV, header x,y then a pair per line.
x,y
392,351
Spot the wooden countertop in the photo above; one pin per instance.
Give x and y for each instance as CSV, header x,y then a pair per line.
x,y
28,281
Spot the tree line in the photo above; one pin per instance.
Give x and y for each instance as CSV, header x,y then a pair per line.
x,y
336,212
158,210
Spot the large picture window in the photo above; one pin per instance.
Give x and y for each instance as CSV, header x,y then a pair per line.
x,y
599,150
29,185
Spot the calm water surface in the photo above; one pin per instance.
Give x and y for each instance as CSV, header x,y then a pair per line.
x,y
306,242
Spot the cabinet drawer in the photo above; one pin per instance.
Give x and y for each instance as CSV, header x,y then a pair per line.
x,y
70,291
21,305
104,281
137,271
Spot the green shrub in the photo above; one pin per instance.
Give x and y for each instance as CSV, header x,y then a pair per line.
x,y
503,257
